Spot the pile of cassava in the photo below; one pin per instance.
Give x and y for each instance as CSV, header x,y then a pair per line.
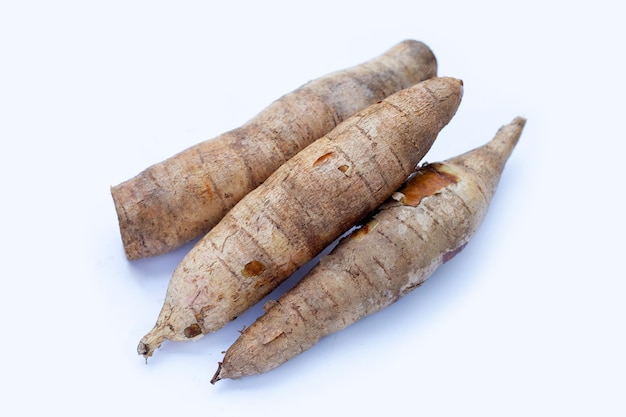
x,y
337,157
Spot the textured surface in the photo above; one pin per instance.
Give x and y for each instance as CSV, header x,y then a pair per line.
x,y
425,224
305,205
526,321
181,198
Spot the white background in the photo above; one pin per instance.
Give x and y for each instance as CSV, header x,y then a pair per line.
x,y
528,320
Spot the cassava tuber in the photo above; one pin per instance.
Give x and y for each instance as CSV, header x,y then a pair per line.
x,y
424,225
181,198
300,209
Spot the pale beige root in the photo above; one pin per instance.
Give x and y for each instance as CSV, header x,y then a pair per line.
x,y
301,208
430,220
181,198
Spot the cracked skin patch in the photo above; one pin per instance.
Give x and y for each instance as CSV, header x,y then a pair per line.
x,y
253,268
429,180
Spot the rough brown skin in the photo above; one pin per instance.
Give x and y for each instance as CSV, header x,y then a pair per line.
x,y
305,205
426,223
181,198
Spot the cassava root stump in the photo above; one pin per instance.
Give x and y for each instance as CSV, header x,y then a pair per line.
x,y
426,223
181,198
300,209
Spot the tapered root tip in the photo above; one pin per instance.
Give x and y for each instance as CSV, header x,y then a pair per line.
x,y
144,350
510,134
503,143
519,122
152,341
217,377
164,329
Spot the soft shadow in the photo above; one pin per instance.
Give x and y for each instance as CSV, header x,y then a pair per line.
x,y
156,266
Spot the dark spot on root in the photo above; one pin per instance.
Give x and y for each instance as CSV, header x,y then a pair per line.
x,y
428,180
449,255
142,349
253,268
344,168
193,331
323,158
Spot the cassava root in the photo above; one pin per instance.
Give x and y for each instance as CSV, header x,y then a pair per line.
x,y
300,209
425,224
183,197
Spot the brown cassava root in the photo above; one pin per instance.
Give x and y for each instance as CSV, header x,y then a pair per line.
x,y
181,198
300,209
426,223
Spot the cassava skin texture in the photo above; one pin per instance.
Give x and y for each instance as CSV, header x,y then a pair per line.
x,y
302,207
183,197
424,225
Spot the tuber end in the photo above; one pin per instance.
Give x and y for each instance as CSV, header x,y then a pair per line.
x,y
144,350
216,376
153,340
519,121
